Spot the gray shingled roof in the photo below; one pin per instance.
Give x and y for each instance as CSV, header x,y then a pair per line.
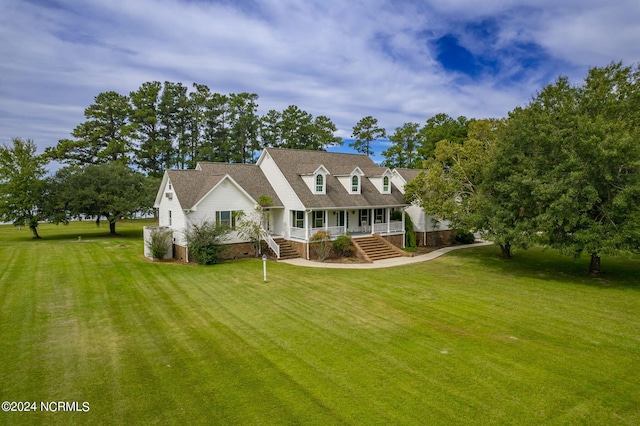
x,y
191,186
408,174
293,163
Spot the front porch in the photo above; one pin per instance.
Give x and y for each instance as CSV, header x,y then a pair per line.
x,y
356,222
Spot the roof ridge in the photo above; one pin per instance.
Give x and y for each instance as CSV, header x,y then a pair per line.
x,y
316,151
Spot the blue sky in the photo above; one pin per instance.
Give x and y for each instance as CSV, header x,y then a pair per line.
x,y
398,60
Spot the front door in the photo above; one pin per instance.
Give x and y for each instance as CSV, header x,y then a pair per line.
x,y
364,220
340,219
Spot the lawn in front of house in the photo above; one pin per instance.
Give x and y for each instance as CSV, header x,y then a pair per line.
x,y
467,338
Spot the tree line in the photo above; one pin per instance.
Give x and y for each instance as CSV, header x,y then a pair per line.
x,y
164,126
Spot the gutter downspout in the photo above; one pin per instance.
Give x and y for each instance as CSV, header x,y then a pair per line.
x,y
308,222
404,231
426,229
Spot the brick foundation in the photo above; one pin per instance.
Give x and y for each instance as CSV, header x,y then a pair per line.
x,y
436,238
300,248
231,251
238,251
396,240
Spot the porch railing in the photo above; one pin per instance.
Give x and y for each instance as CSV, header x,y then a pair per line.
x,y
333,231
271,243
393,227
298,233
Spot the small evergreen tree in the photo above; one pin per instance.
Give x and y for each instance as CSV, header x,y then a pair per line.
x,y
159,243
410,241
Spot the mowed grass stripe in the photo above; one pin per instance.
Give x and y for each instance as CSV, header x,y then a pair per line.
x,y
374,348
284,346
193,330
466,338
249,326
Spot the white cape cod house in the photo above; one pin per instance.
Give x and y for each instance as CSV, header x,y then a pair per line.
x,y
310,190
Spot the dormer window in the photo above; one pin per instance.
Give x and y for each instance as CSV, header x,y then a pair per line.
x,y
320,184
316,180
353,181
385,185
355,184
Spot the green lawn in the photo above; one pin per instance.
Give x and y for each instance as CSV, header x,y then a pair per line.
x,y
465,339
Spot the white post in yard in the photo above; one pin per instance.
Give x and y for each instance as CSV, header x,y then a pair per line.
x,y
264,266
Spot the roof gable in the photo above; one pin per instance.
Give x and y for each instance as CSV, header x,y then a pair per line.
x,y
407,174
225,178
191,186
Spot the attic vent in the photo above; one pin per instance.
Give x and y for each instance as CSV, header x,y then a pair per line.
x,y
169,195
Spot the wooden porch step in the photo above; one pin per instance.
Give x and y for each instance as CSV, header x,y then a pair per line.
x,y
286,250
375,248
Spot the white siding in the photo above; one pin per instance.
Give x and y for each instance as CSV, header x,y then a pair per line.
x,y
177,215
286,194
443,225
345,181
225,197
276,217
310,180
289,199
172,204
398,181
418,218
424,223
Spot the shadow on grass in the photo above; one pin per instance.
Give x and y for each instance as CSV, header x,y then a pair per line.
x,y
86,230
548,264
99,233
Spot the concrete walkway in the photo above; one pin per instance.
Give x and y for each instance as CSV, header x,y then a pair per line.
x,y
385,263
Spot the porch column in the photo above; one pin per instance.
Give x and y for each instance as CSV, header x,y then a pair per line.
x,y
307,221
372,219
388,214
346,221
326,221
306,231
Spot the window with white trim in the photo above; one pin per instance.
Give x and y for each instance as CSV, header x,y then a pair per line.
x,y
379,216
355,184
227,218
320,184
318,219
386,188
297,218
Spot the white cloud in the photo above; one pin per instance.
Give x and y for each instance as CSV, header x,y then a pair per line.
x,y
595,36
345,60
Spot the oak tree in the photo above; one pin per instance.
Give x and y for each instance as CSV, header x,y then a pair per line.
x,y
22,184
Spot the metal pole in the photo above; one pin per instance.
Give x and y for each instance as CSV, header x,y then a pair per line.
x,y
264,266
